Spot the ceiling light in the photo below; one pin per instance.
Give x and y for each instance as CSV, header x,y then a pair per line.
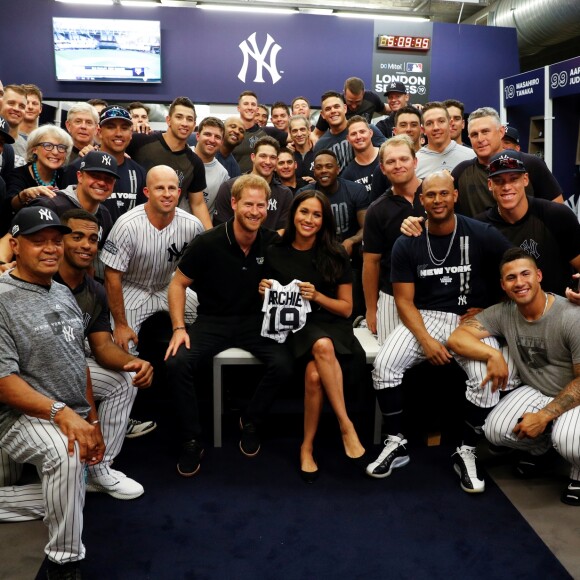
x,y
318,11
91,2
179,3
139,3
256,9
373,16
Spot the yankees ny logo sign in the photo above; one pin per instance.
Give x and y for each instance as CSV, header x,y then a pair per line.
x,y
249,48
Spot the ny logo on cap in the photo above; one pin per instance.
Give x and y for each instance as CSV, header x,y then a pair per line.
x,y
106,160
393,85
2,123
45,214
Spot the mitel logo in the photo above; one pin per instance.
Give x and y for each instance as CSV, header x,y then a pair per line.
x,y
249,48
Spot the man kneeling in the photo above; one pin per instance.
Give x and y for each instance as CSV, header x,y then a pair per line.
x,y
541,330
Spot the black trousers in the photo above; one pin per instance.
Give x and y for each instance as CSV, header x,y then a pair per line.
x,y
210,335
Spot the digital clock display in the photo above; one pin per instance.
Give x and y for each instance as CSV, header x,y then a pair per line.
x,y
389,42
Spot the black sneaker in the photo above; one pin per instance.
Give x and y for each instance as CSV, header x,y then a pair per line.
x,y
249,439
571,495
190,458
68,571
465,465
394,455
529,466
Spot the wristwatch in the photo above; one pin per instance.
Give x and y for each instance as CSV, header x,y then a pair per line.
x,y
56,407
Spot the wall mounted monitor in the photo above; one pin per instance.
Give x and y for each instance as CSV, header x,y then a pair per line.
x,y
106,50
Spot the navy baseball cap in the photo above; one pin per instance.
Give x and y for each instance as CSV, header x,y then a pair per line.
x,y
99,161
4,132
396,87
30,220
113,112
512,134
507,161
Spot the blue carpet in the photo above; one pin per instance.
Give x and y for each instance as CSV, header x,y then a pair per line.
x,y
254,518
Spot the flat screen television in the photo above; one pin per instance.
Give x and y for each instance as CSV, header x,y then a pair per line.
x,y
107,50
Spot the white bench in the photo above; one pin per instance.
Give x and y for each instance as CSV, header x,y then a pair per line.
x,y
239,356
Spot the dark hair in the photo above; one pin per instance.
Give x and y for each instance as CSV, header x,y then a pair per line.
x,y
513,254
326,152
280,105
455,103
181,101
330,94
267,140
211,122
408,110
78,214
329,253
96,102
138,105
355,85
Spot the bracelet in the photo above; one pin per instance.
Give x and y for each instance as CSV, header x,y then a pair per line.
x,y
95,422
179,328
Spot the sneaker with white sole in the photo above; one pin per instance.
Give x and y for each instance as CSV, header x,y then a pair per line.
x,y
571,495
138,428
465,466
116,484
393,456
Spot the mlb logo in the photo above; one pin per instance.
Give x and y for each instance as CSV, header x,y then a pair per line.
x,y
414,67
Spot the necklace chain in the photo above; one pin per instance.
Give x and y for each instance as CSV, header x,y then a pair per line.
x,y
437,261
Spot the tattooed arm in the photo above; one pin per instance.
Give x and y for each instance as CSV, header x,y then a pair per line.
x,y
465,340
534,424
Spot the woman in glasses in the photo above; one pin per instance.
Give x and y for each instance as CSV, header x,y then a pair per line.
x,y
47,151
311,253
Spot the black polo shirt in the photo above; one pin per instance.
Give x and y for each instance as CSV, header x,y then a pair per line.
x,y
383,226
225,279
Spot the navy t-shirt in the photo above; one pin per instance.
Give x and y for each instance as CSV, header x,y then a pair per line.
x,y
345,202
469,276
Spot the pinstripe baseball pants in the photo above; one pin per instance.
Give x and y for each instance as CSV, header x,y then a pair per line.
x,y
60,496
565,435
116,395
387,316
401,351
158,303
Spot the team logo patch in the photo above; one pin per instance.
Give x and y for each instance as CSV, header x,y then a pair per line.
x,y
110,247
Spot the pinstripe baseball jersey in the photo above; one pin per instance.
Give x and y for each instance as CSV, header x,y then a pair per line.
x,y
284,310
147,256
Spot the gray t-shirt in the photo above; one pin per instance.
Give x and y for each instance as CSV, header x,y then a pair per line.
x,y
429,161
41,341
544,350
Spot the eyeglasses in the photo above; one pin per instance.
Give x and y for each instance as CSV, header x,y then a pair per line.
x,y
506,164
50,146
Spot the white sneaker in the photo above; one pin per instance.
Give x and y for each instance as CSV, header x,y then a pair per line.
x,y
394,455
465,466
137,428
116,484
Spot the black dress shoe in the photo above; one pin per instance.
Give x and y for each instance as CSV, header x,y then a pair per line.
x,y
309,476
359,462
